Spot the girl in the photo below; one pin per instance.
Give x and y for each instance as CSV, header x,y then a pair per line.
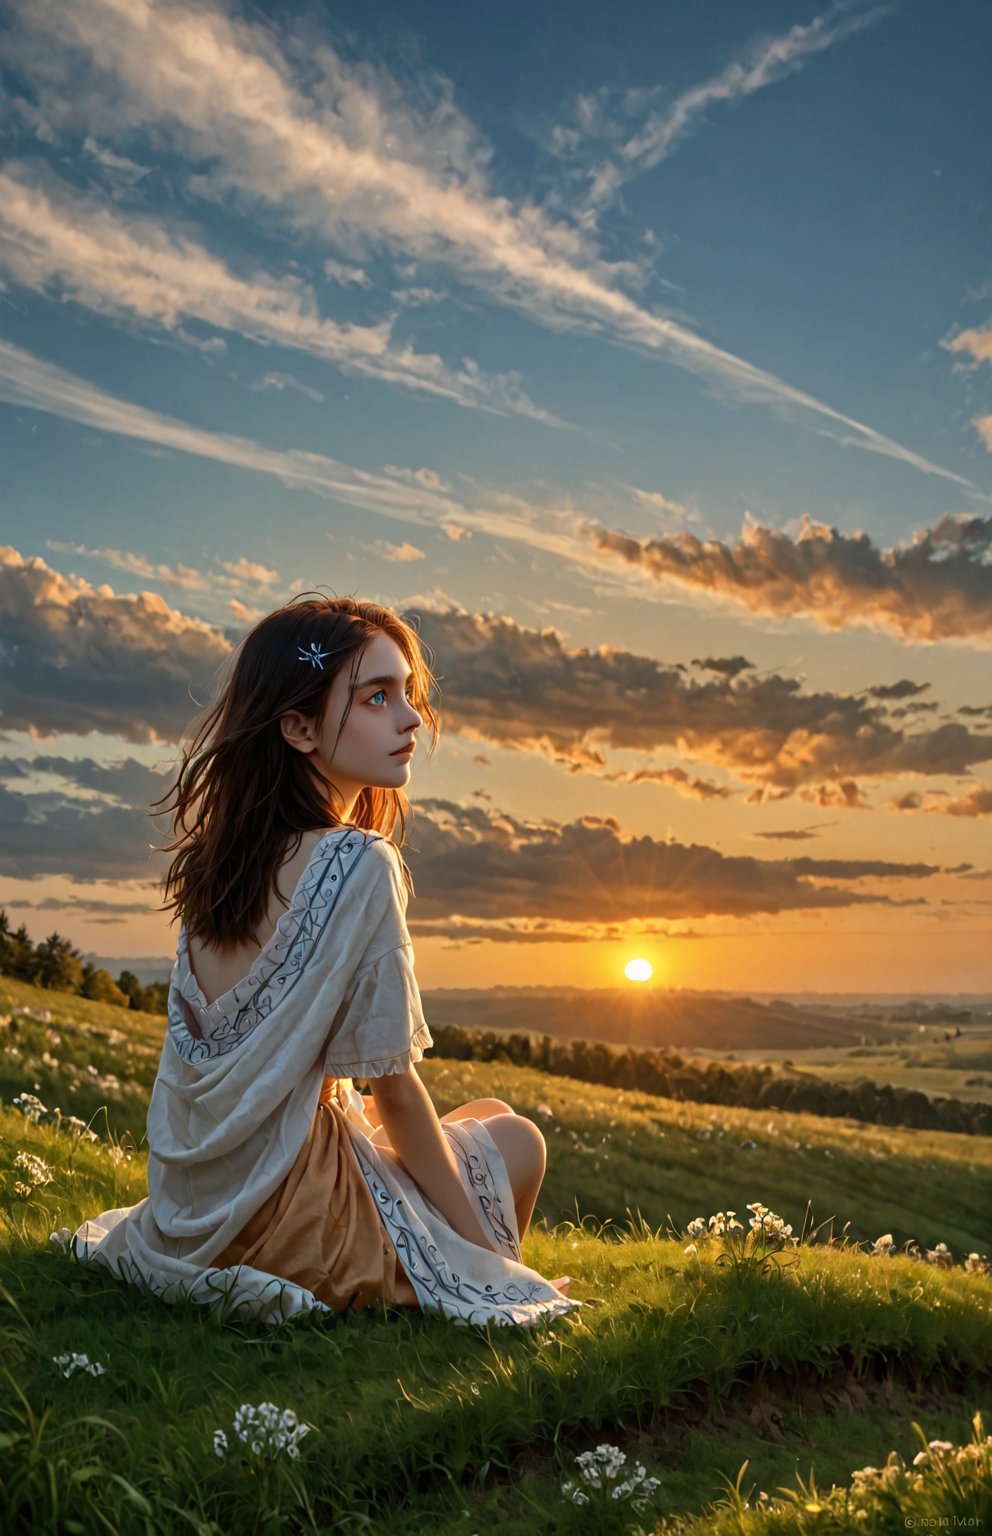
x,y
273,1184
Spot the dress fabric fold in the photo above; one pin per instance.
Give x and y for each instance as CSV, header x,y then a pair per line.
x,y
320,1228
266,1192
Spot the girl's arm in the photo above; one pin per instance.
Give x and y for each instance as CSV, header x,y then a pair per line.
x,y
372,1114
411,1122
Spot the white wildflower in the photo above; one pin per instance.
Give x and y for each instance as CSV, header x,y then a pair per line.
x,y
30,1106
36,1174
265,1430
73,1126
67,1364
600,1469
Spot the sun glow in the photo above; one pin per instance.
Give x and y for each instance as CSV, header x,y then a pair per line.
x,y
638,970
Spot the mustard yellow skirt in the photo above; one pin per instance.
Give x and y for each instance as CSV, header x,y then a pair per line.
x,y
321,1229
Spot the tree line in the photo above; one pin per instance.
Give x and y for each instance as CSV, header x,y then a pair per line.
x,y
58,966
671,1075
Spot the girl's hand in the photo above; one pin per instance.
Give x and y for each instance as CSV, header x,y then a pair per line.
x,y
562,1284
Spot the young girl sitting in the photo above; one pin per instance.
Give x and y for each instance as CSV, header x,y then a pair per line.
x,y
273,1185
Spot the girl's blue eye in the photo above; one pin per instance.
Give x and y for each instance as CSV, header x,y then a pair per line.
x,y
382,691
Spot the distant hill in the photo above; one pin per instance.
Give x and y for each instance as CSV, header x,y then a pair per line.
x,y
657,1018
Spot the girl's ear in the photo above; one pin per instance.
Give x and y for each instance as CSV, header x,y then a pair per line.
x,y
298,731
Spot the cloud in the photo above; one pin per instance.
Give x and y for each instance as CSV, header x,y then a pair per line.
x,y
359,161
471,864
767,61
477,873
126,782
413,496
54,835
77,658
524,690
281,381
939,588
977,342
401,553
793,834
976,801
232,574
675,778
57,241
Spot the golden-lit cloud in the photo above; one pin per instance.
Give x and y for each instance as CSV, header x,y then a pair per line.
x,y
939,587
976,801
525,690
478,873
402,554
81,658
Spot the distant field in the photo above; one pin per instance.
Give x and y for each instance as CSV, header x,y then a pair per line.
x,y
924,1059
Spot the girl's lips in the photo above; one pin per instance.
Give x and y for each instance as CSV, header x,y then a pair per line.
x,y
404,751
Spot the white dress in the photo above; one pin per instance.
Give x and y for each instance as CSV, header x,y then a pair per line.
x,y
332,997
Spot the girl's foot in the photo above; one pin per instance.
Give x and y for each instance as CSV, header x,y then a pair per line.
x,y
562,1284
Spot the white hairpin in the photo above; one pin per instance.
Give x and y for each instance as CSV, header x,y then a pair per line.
x,y
314,655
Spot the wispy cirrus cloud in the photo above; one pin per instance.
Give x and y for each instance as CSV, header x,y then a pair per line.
x,y
662,125
936,589
129,266
232,575
352,159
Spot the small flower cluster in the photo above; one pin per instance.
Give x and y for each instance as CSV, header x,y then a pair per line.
x,y
941,1255
719,1225
265,1430
939,1455
73,1126
30,1106
37,1174
768,1224
67,1364
34,1110
600,1469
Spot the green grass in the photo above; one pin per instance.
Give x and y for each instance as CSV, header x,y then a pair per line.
x,y
813,1369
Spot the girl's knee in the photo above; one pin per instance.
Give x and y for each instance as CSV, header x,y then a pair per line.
x,y
492,1107
479,1109
524,1149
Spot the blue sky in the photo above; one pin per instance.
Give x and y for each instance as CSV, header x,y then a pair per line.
x,y
661,332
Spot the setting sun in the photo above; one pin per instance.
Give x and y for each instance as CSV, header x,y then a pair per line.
x,y
638,970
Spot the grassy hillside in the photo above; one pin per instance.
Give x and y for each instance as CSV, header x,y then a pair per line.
x,y
807,1360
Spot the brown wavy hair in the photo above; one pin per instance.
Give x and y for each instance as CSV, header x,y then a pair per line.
x,y
242,793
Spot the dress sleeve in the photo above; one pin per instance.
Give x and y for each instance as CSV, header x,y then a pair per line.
x,y
380,1027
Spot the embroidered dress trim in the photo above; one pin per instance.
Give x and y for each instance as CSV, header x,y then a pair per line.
x,y
438,1287
234,1016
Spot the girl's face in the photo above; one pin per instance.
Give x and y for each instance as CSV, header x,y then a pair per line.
x,y
381,721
